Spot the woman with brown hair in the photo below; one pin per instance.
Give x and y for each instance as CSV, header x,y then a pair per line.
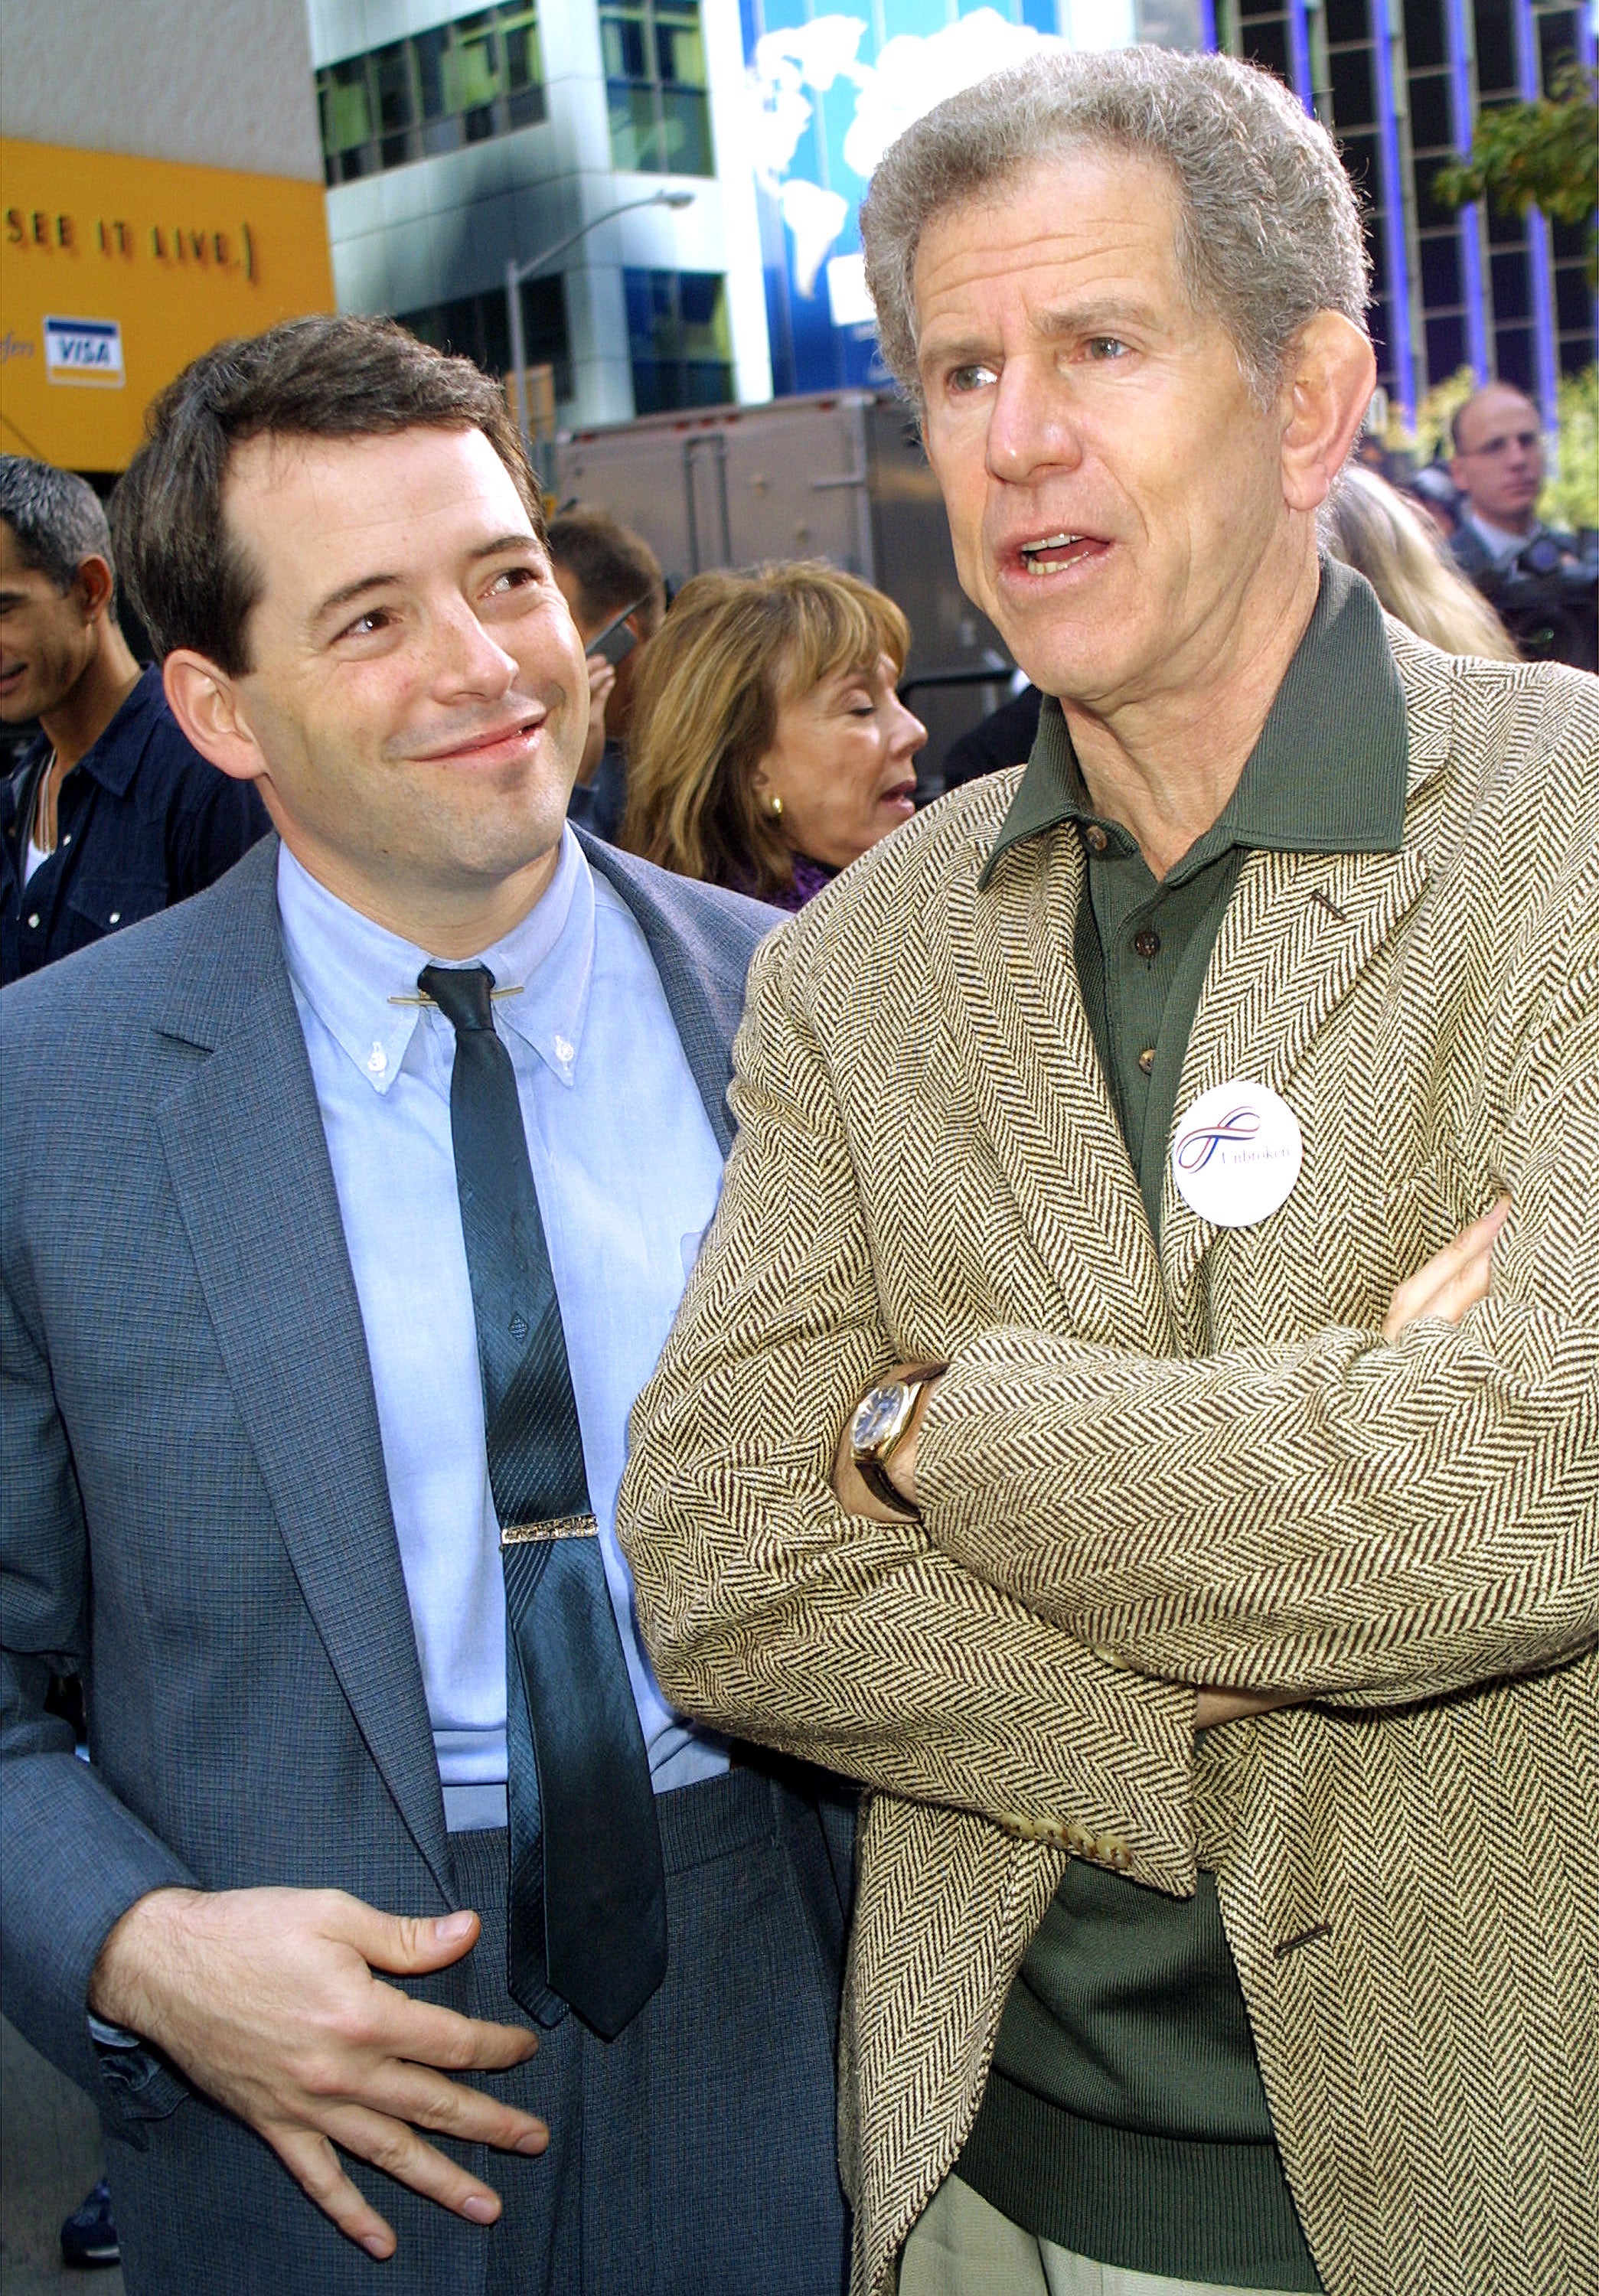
x,y
769,748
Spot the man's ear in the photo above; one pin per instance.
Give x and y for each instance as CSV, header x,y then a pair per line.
x,y
94,587
1332,372
207,705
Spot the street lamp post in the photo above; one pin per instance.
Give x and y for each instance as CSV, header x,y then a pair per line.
x,y
515,273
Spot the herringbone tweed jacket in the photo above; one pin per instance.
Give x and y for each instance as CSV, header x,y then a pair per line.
x,y
1206,1467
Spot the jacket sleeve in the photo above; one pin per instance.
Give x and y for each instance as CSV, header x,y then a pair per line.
x,y
72,1859
1373,1522
774,1614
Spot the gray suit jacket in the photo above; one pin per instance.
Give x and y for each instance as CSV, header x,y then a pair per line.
x,y
194,1513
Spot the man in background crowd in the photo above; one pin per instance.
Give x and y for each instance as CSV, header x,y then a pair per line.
x,y
111,816
1531,573
603,571
1498,467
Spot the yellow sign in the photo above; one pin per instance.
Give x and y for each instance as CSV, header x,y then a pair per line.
x,y
116,272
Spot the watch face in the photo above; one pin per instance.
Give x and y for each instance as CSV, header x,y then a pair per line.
x,y
878,1416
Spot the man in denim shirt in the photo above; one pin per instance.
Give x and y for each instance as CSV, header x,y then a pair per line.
x,y
111,816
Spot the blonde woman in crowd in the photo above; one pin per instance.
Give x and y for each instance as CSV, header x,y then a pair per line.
x,y
769,748
1371,528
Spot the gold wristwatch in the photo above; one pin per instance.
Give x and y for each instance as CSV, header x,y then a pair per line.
x,y
878,1428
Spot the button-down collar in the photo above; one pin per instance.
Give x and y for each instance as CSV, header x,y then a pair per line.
x,y
360,980
1326,775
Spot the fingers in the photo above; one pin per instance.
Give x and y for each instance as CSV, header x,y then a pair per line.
x,y
313,2163
423,2033
407,1945
424,2097
401,2154
1455,1280
1211,1707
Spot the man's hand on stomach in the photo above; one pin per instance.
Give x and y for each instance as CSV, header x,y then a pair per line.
x,y
267,2001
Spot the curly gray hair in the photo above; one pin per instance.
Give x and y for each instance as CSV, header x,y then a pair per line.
x,y
1269,229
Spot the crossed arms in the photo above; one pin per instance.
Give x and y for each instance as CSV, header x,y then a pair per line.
x,y
1347,1519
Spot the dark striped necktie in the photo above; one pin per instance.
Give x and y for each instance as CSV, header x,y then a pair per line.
x,y
586,1907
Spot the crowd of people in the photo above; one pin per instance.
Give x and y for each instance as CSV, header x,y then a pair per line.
x,y
917,1653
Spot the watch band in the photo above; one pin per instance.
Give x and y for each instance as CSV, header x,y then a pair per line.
x,y
878,1481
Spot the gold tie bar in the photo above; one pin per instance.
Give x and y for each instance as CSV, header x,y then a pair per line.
x,y
563,1526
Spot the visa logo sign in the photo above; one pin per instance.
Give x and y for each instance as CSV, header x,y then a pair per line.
x,y
84,350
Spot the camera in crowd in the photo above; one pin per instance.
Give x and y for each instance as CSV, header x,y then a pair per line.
x,y
1548,596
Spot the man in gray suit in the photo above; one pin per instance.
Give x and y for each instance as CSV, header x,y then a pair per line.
x,y
345,1210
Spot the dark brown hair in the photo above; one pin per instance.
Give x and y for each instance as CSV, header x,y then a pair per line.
x,y
612,567
191,582
734,648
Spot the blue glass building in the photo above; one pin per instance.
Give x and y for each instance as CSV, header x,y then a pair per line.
x,y
1397,81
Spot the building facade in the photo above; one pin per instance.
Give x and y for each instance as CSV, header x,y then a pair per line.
x,y
456,142
154,198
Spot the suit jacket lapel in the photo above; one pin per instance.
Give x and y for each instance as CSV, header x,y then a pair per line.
x,y
705,998
248,1157
1041,1092
1299,933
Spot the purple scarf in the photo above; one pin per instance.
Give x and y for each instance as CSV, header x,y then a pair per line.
x,y
810,878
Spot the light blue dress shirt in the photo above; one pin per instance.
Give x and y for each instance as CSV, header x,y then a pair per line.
x,y
627,1172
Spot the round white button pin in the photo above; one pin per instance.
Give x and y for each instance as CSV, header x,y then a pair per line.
x,y
1237,1154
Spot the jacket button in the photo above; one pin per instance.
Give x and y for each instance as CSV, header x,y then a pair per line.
x,y
1146,1059
1147,943
116,917
1094,839
33,922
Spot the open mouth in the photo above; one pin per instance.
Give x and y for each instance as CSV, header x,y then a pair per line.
x,y
901,796
13,675
1051,552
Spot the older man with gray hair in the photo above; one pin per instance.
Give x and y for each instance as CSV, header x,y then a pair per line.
x,y
1137,1409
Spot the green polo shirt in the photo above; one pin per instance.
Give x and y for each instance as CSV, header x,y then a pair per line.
x,y
1124,2116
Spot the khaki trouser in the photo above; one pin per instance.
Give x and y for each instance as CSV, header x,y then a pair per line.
x,y
961,2246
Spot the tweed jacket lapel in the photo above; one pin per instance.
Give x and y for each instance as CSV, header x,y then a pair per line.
x,y
1041,1091
1299,932
244,1144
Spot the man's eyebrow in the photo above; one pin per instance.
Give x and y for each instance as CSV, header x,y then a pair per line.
x,y
522,540
1096,319
350,591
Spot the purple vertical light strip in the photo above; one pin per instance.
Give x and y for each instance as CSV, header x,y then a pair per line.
x,y
1207,17
1393,215
1527,78
1299,55
1468,223
1585,57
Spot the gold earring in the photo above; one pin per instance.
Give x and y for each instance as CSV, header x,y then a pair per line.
x,y
774,807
